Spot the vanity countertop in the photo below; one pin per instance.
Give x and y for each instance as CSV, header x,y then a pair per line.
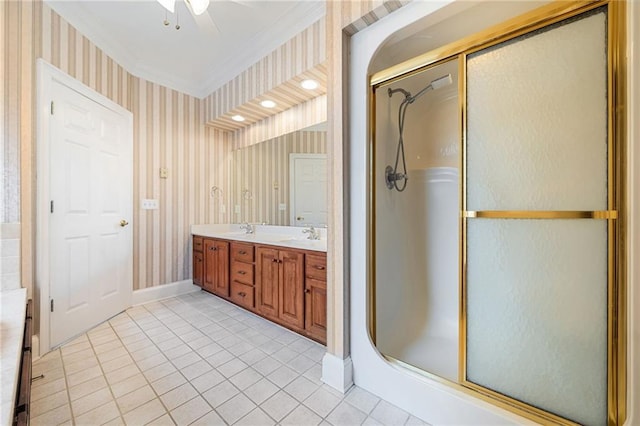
x,y
12,318
282,236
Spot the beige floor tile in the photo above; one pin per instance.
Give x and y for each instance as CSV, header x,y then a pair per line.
x,y
48,389
207,380
345,414
99,415
78,355
178,396
128,385
135,399
80,365
83,375
322,402
116,364
256,417
53,417
235,408
220,393
210,419
362,400
167,383
77,347
261,391
389,414
165,420
49,375
121,374
145,413
159,371
49,403
279,405
196,369
108,346
301,416
300,388
190,411
91,401
87,388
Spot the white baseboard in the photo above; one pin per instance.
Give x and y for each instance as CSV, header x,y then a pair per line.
x,y
35,348
164,291
337,372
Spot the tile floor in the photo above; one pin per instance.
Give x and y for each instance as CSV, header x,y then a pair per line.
x,y
195,359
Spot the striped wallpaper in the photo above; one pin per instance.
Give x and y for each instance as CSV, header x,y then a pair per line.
x,y
169,131
301,53
297,118
258,167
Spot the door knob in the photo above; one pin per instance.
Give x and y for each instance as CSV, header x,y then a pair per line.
x,y
299,218
123,223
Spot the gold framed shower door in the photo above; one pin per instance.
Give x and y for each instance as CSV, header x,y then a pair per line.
x,y
615,215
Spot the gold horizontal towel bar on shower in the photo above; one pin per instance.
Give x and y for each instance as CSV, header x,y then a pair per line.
x,y
540,214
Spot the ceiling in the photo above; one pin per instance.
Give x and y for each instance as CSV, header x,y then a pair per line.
x,y
205,53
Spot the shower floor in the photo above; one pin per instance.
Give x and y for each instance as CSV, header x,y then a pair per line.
x,y
435,354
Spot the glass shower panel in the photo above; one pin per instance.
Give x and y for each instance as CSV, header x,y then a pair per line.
x,y
537,313
537,120
536,289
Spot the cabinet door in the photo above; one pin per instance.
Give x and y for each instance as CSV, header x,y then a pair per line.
x,y
221,283
316,309
198,268
216,267
267,271
291,292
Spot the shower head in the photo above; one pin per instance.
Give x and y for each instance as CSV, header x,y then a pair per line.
x,y
441,82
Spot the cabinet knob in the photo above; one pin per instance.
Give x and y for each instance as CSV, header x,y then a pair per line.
x,y
320,267
214,248
242,273
306,290
242,252
242,294
274,260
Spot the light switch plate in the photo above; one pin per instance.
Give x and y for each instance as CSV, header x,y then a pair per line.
x,y
149,204
164,173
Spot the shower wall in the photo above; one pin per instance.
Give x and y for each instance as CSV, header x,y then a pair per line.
x,y
417,230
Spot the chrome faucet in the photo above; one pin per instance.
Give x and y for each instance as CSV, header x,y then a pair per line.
x,y
313,233
247,227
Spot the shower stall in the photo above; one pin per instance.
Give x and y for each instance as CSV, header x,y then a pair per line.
x,y
494,236
419,207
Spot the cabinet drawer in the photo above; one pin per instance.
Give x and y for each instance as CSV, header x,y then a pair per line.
x,y
242,252
197,244
316,267
242,294
242,272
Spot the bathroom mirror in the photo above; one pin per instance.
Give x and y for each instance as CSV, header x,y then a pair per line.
x,y
282,181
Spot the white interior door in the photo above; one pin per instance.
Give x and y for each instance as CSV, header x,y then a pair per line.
x,y
308,176
91,204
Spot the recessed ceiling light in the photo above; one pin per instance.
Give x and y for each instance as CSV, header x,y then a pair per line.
x,y
237,118
309,84
268,104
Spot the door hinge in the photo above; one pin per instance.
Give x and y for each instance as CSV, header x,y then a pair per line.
x,y
51,305
51,206
51,107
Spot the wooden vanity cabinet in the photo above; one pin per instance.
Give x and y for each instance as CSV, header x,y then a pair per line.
x,y
315,289
279,288
287,286
198,261
242,275
216,266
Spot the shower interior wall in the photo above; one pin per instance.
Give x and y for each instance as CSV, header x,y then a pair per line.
x,y
417,230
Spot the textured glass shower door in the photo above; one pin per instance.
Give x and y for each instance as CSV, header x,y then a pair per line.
x,y
538,211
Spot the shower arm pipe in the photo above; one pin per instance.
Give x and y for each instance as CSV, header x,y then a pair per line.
x,y
392,176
